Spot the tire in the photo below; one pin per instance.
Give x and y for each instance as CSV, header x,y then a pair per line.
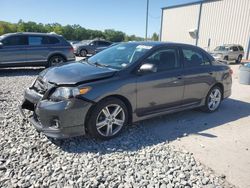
x,y
104,115
83,53
55,60
213,100
238,61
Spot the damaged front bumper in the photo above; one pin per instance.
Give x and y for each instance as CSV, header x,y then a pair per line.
x,y
61,119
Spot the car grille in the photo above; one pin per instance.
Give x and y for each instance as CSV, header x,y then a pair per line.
x,y
41,87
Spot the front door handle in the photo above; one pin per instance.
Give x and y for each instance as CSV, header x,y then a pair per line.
x,y
211,73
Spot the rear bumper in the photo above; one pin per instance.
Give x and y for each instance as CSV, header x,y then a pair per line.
x,y
62,119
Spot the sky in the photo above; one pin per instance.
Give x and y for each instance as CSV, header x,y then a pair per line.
x,y
123,15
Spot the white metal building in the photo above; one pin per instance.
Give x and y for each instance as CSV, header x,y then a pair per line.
x,y
208,23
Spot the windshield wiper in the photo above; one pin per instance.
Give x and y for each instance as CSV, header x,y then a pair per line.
x,y
99,64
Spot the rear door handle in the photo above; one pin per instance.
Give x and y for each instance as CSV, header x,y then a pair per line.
x,y
211,73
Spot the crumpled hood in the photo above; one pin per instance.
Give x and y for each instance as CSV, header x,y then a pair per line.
x,y
74,73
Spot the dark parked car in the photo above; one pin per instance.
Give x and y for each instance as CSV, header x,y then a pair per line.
x,y
73,42
34,49
123,84
89,47
99,49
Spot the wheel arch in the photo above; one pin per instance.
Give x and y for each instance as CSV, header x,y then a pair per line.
x,y
83,49
56,54
220,85
120,97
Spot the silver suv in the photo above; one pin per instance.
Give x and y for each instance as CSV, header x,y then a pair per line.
x,y
228,52
34,49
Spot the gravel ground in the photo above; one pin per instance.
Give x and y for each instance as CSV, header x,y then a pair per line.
x,y
134,159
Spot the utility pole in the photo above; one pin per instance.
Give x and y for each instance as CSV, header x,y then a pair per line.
x,y
146,34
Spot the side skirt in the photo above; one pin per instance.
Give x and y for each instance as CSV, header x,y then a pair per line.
x,y
167,111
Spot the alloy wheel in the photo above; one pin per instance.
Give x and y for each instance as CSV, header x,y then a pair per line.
x,y
57,60
110,120
83,53
214,99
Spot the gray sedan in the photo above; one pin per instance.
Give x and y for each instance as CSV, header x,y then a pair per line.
x,y
86,47
126,83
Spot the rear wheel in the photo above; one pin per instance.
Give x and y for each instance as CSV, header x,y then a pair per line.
x,y
55,60
107,119
213,99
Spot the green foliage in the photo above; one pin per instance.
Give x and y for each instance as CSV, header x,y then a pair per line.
x,y
70,32
133,38
155,37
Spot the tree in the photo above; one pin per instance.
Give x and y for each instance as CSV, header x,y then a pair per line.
x,y
133,38
155,37
114,36
70,32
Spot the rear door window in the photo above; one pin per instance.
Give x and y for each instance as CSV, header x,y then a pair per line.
x,y
15,41
103,43
36,40
194,58
235,49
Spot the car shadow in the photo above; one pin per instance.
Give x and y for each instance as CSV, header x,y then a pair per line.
x,y
161,130
27,71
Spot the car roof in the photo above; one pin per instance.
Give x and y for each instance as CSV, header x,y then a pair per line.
x,y
159,43
31,33
229,45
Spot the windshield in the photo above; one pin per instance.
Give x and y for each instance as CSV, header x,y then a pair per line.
x,y
221,48
120,56
85,41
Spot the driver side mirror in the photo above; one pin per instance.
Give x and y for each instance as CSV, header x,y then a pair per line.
x,y
1,45
147,68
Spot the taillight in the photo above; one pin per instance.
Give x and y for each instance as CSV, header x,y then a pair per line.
x,y
230,71
71,49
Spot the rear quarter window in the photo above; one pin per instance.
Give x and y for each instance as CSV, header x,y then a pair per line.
x,y
53,40
240,48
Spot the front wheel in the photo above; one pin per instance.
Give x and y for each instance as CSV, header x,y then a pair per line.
x,y
107,119
213,99
238,61
83,53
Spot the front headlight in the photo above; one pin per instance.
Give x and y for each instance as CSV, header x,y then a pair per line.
x,y
64,93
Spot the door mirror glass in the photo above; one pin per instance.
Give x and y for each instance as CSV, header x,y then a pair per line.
x,y
147,68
